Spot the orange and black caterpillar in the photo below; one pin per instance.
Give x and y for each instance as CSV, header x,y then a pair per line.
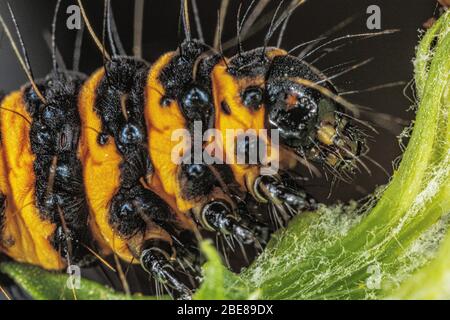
x,y
86,161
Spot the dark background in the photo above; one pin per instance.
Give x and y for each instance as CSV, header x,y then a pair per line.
x,y
392,54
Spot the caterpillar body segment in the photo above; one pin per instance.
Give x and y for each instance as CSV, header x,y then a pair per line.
x,y
127,211
166,112
20,240
45,214
160,125
238,110
179,98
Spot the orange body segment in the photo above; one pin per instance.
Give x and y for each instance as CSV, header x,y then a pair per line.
x,y
26,235
100,169
238,120
162,121
102,179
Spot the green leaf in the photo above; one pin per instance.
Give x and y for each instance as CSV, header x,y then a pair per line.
x,y
220,283
45,285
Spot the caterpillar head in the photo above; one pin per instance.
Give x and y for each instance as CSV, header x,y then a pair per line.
x,y
302,105
298,101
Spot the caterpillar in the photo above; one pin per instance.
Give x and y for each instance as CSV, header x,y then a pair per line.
x,y
86,161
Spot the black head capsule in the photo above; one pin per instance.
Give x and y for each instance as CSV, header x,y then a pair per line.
x,y
300,103
301,106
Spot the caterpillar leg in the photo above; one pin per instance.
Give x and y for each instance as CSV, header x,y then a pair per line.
x,y
215,210
252,219
132,208
157,260
271,189
135,209
217,216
